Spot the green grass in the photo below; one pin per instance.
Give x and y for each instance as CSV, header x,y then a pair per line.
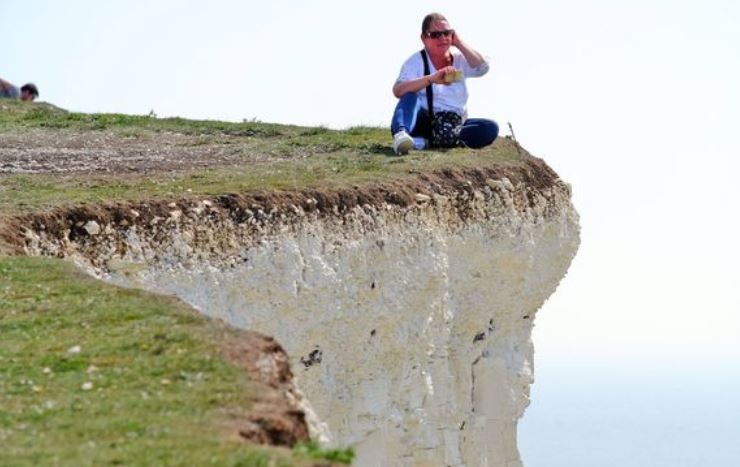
x,y
24,193
23,115
270,157
161,392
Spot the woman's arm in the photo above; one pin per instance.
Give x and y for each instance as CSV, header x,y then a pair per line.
x,y
416,85
413,85
472,56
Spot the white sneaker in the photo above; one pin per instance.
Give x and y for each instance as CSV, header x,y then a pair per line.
x,y
402,143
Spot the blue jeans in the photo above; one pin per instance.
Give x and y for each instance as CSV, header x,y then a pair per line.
x,y
411,117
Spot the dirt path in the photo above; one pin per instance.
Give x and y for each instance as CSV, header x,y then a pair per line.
x,y
134,151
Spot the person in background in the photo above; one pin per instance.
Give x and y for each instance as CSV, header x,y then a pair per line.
x,y
412,125
27,92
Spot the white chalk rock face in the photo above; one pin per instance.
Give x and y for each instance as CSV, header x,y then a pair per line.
x,y
408,327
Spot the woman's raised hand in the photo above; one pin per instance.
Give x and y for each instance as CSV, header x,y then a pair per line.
x,y
456,39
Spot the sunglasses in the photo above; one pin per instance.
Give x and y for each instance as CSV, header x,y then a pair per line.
x,y
438,34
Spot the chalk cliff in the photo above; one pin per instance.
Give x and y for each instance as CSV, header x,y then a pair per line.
x,y
406,308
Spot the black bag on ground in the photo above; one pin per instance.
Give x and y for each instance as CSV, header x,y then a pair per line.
x,y
445,125
446,129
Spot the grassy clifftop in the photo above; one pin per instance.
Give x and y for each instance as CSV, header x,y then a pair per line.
x,y
50,157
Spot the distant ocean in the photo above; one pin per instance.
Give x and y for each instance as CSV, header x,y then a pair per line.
x,y
633,415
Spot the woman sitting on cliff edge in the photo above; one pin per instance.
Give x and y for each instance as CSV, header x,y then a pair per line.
x,y
444,74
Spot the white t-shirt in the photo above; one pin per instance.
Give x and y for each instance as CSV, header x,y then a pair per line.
x,y
451,97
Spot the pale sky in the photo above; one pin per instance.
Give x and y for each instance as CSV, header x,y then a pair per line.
x,y
631,101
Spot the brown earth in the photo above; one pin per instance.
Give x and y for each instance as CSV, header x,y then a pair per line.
x,y
274,417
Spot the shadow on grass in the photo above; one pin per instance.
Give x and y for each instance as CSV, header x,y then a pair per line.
x,y
380,149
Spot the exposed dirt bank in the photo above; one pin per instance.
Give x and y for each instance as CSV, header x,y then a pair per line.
x,y
274,418
87,220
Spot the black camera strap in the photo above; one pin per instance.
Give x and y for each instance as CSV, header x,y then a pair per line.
x,y
430,97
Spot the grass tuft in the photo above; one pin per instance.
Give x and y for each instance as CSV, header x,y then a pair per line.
x,y
314,451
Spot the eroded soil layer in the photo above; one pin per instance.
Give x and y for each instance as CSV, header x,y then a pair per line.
x,y
75,223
